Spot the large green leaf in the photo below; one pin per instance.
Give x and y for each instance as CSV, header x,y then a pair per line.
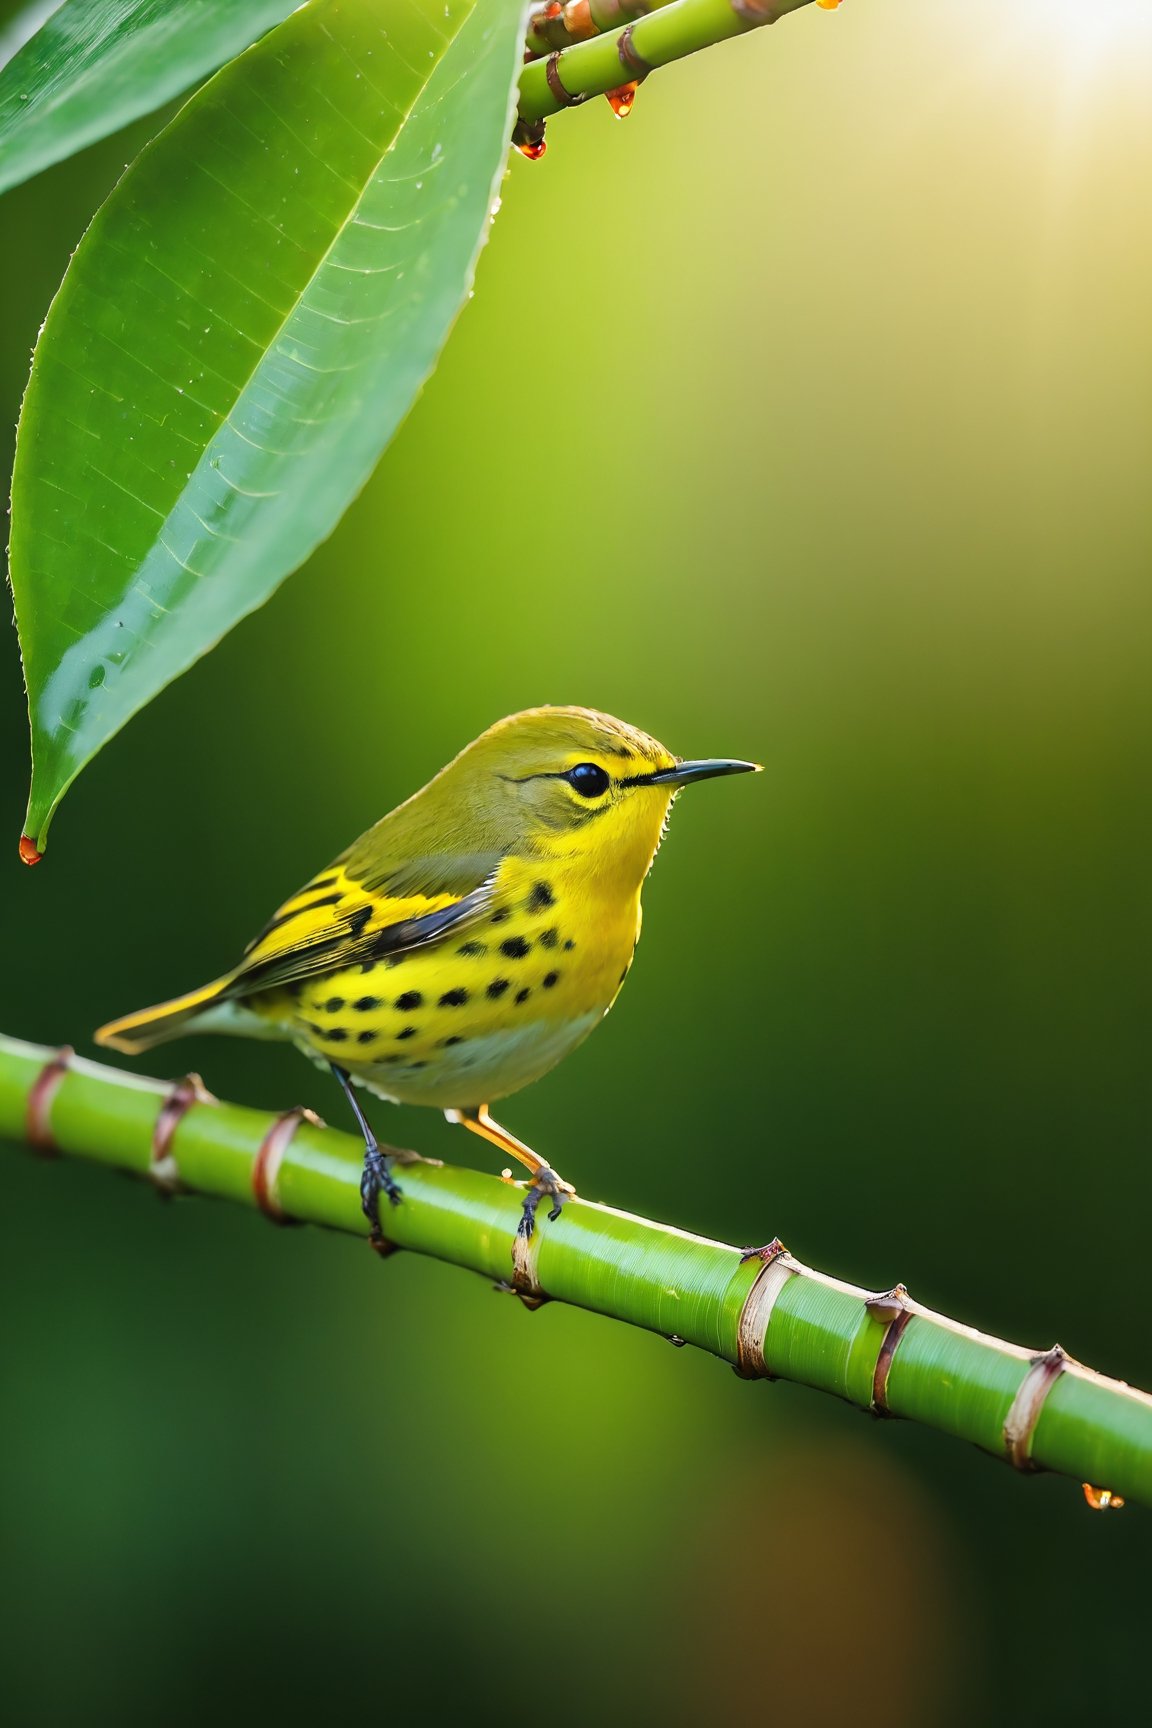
x,y
240,333
96,64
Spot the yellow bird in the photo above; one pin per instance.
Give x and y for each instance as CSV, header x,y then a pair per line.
x,y
471,939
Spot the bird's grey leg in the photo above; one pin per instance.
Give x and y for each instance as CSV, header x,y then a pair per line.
x,y
377,1176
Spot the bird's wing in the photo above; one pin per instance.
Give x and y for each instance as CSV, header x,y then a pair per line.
x,y
347,916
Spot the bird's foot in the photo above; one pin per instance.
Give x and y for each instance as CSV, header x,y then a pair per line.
x,y
377,1179
544,1182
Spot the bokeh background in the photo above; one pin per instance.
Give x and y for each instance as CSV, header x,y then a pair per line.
x,y
805,416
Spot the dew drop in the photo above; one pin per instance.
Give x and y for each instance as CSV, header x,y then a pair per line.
x,y
29,851
621,99
1101,1499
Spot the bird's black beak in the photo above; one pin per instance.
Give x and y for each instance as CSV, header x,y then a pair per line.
x,y
684,773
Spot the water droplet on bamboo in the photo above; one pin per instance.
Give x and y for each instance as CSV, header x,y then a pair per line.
x,y
621,99
533,148
29,851
1102,1499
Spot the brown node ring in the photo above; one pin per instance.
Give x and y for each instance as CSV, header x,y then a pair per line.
x,y
163,1172
1024,1414
270,1156
754,12
777,1268
632,61
556,84
893,1309
37,1120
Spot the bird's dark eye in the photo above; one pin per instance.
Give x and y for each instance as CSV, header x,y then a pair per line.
x,y
588,779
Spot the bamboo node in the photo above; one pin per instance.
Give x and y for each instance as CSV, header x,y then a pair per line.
x,y
893,1308
163,1172
767,1254
631,58
887,1305
1024,1413
37,1123
529,1300
525,1258
754,12
563,96
777,1269
270,1156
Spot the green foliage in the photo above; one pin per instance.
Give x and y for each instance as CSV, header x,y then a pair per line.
x,y
240,333
96,64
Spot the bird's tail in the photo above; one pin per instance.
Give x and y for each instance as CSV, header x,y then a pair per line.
x,y
149,1026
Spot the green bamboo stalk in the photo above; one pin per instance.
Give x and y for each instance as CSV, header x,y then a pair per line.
x,y
595,66
770,1316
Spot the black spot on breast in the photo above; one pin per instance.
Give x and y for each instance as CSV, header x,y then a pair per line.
x,y
391,960
368,966
501,916
453,998
541,898
447,1043
366,1037
334,1004
551,978
515,947
365,1004
473,948
548,938
523,995
410,999
497,987
334,1035
408,1032
569,944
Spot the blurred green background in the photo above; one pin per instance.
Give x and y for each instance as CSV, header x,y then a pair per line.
x,y
805,416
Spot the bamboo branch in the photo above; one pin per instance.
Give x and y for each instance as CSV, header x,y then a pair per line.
x,y
767,1314
598,60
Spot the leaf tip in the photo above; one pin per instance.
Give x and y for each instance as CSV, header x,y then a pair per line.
x,y
30,853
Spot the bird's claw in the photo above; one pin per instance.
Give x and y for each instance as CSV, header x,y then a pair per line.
x,y
545,1182
377,1179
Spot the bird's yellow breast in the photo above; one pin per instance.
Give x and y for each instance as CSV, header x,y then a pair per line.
x,y
489,1009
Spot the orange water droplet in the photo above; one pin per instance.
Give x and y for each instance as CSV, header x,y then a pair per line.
x,y
621,99
828,5
29,851
1102,1499
533,148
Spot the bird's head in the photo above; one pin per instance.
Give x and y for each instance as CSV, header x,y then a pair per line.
x,y
570,782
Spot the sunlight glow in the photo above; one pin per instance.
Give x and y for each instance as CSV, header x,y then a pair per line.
x,y
1096,29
